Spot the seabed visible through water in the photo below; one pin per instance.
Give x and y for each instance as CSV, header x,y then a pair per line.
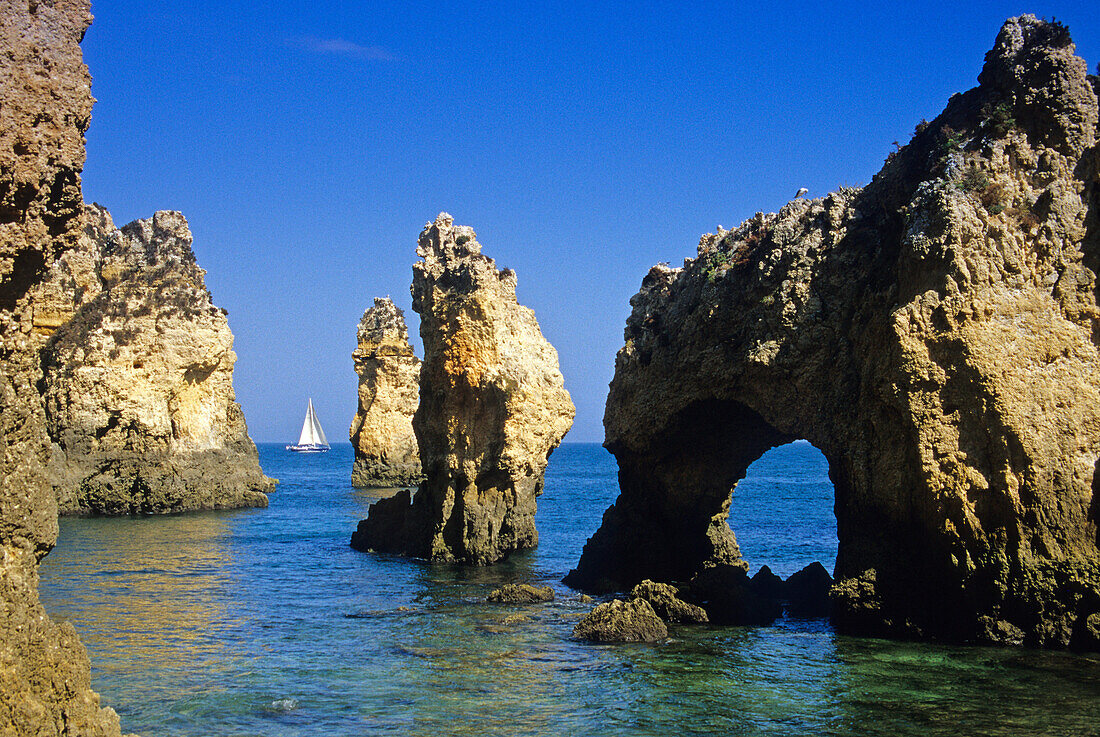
x,y
265,622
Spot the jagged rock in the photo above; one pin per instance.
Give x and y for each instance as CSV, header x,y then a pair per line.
x,y
621,621
666,602
767,584
389,390
521,593
807,591
45,105
139,378
493,407
934,334
727,595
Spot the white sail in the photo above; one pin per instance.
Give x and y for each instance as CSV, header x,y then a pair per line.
x,y
312,439
306,437
312,434
318,433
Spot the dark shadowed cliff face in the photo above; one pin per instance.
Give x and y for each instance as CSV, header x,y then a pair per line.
x,y
493,407
934,334
389,391
45,105
139,377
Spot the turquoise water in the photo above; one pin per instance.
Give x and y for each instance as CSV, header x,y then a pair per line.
x,y
265,622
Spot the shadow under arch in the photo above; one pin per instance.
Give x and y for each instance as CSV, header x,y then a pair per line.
x,y
671,519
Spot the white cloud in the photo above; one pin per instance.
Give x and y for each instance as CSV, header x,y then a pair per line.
x,y
342,47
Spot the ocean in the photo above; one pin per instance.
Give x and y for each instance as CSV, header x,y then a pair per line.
x,y
265,622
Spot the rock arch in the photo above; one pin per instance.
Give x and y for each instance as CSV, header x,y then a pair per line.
x,y
934,334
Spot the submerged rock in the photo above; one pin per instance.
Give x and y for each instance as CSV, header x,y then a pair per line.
x,y
934,334
666,602
621,621
382,434
493,407
45,106
139,378
521,593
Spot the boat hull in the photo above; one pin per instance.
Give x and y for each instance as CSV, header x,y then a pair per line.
x,y
307,448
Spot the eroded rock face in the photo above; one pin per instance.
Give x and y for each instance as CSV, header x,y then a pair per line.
x,y
934,334
139,377
493,406
45,106
382,434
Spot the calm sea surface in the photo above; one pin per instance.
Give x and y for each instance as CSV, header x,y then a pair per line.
x,y
265,622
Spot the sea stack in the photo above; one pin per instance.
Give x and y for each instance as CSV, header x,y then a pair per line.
x,y
389,390
139,377
934,334
493,407
45,106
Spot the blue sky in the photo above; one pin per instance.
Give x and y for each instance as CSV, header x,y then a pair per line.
x,y
308,143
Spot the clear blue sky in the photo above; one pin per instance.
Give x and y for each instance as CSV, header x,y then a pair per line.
x,y
307,143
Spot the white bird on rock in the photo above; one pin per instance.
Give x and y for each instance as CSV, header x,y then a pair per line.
x,y
800,192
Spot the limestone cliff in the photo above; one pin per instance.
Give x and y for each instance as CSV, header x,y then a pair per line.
x,y
45,104
935,334
139,379
389,390
493,407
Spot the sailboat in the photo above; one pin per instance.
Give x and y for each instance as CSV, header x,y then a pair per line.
x,y
312,439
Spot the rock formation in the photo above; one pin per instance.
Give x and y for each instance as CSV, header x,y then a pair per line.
x,y
934,334
521,593
389,390
621,621
493,407
667,604
45,105
139,377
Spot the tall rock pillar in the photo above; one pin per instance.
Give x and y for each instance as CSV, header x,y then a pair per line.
x,y
493,406
389,390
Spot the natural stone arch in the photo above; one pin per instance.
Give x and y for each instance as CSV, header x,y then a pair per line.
x,y
676,493
933,334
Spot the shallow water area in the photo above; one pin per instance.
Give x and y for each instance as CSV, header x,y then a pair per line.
x,y
265,622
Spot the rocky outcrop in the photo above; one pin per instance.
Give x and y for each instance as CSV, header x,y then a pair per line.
x,y
493,407
621,621
389,391
139,377
45,105
934,334
729,597
666,602
521,593
807,591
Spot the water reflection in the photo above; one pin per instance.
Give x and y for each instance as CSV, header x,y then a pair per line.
x,y
146,594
